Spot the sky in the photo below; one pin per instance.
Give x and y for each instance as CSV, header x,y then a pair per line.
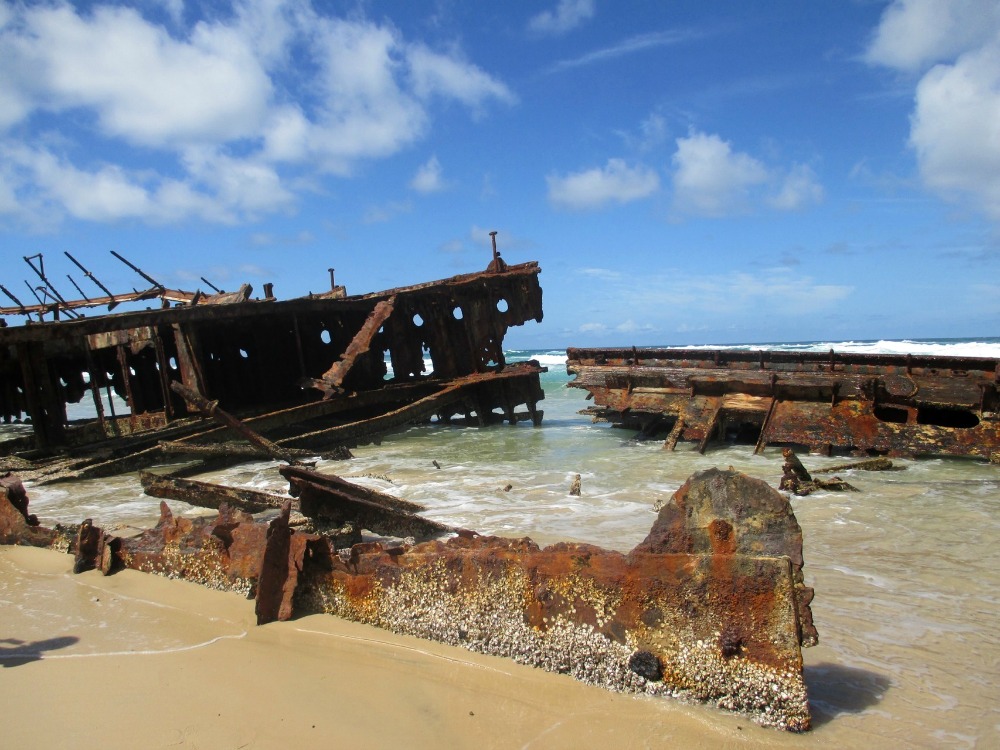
x,y
685,172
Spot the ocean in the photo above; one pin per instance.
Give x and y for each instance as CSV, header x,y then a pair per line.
x,y
906,571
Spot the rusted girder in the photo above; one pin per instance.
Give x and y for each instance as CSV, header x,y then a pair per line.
x,y
208,495
337,501
211,409
331,381
889,404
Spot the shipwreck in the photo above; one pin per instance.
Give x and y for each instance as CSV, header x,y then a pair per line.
x,y
711,606
868,404
314,373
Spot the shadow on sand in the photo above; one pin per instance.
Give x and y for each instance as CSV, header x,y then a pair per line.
x,y
835,689
16,652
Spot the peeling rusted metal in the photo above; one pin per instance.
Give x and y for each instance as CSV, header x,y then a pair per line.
x,y
867,403
252,357
711,605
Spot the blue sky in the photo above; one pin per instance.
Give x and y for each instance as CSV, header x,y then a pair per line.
x,y
685,172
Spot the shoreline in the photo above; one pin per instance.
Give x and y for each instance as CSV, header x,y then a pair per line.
x,y
202,674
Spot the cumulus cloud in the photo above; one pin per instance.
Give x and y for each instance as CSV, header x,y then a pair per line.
x,y
141,84
219,188
913,34
212,114
954,46
428,178
566,16
711,179
616,182
955,128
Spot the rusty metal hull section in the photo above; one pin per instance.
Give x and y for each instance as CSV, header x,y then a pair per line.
x,y
317,357
885,404
710,606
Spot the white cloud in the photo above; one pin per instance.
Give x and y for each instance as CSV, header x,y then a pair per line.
x,y
222,189
955,125
913,34
955,129
452,246
449,76
566,16
630,326
143,85
364,112
104,194
630,46
246,186
653,132
213,113
592,328
664,295
712,180
267,239
616,182
604,274
428,178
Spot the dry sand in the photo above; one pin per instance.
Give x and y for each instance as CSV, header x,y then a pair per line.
x,y
135,660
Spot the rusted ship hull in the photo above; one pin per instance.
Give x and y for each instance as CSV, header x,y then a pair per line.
x,y
308,372
880,404
711,605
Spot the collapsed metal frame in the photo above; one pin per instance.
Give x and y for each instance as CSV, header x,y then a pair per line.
x,y
297,359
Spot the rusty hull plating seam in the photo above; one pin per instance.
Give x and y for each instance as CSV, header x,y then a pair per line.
x,y
899,405
254,355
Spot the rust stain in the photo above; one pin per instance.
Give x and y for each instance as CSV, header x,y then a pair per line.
x,y
252,358
868,403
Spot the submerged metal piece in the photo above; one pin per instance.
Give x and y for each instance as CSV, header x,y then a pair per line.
x,y
899,405
710,606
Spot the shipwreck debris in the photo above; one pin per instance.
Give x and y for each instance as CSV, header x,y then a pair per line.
x,y
319,373
18,526
336,501
712,605
575,486
211,409
208,495
880,463
796,479
869,403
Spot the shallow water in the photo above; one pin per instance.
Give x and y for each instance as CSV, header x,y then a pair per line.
x,y
906,571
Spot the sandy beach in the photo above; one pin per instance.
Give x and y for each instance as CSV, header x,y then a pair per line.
x,y
135,660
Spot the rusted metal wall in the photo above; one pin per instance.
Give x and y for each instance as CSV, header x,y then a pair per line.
x,y
254,355
898,405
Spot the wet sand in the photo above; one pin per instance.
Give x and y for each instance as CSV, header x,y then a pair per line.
x,y
135,660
